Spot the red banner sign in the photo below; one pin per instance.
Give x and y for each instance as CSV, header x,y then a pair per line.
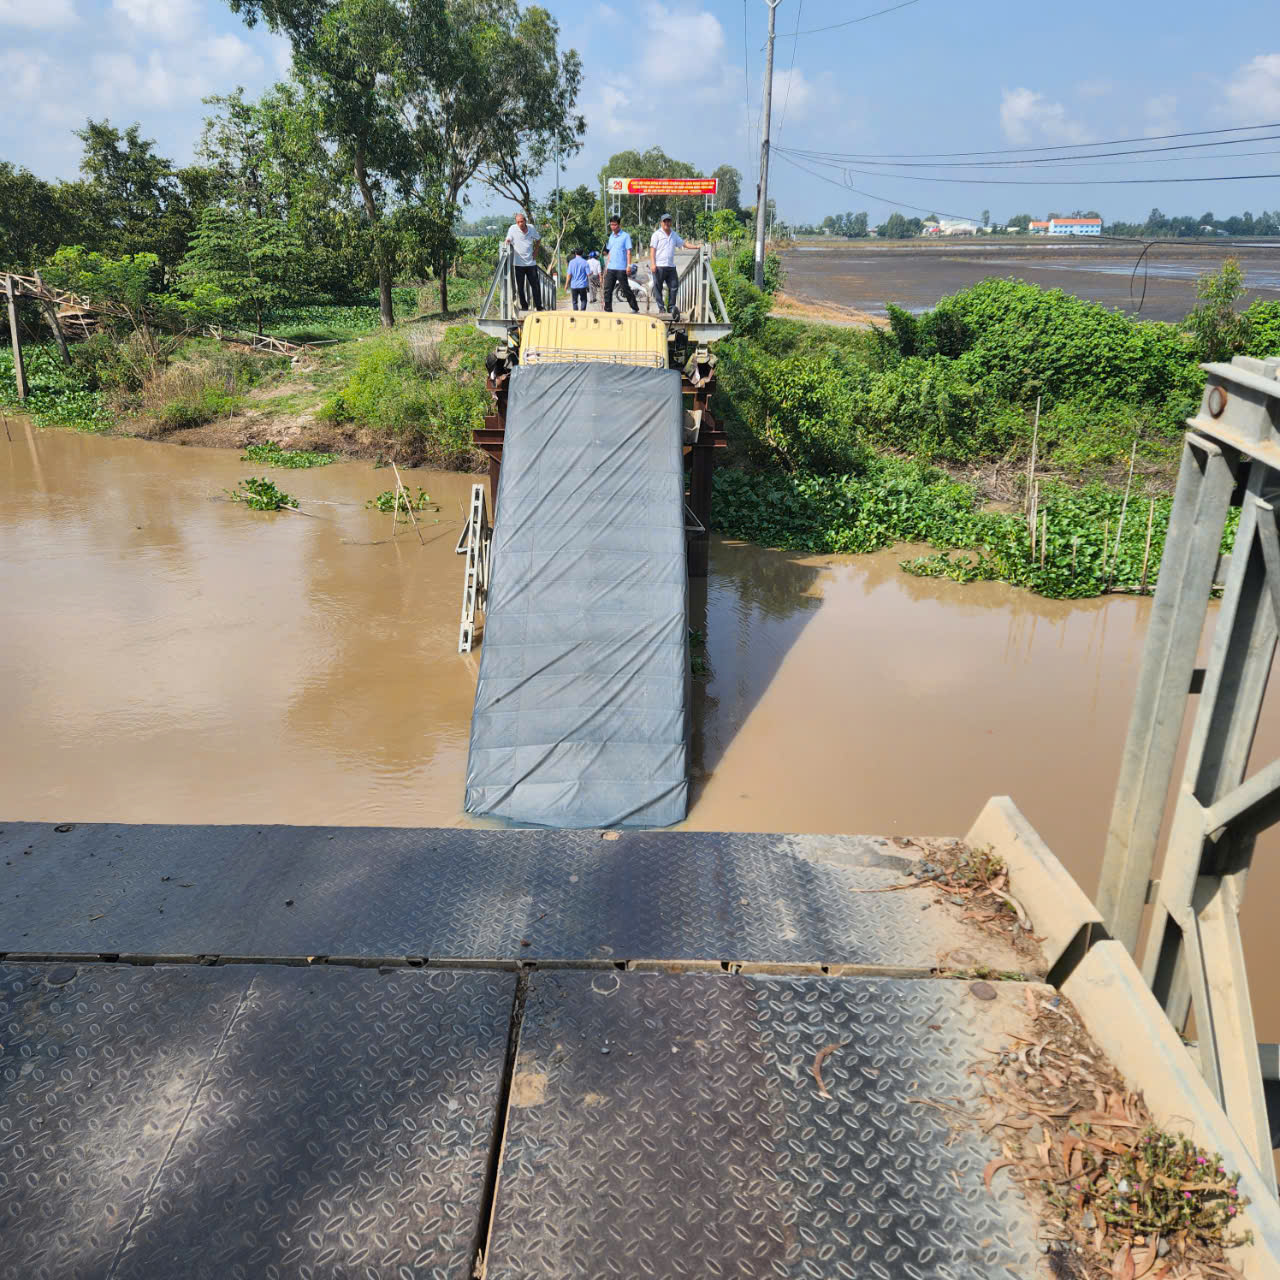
x,y
663,186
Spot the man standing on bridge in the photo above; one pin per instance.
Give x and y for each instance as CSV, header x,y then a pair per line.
x,y
662,262
618,265
523,238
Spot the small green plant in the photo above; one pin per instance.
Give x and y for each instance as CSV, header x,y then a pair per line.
x,y
1220,331
272,455
261,495
1161,1185
386,500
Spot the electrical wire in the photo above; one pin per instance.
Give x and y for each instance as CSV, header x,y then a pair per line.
x,y
1147,245
1042,160
866,17
1064,146
1065,182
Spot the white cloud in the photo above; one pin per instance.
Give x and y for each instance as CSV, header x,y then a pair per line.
x,y
1162,115
1027,117
37,15
1254,91
167,19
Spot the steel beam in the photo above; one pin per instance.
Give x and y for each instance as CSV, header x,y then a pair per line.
x,y
1200,506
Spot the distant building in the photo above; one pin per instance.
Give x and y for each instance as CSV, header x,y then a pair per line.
x,y
1075,226
1039,228
950,227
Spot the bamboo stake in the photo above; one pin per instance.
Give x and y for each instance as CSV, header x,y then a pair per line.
x,y
1124,506
1075,545
395,513
1146,555
1044,531
1031,471
408,502
1106,543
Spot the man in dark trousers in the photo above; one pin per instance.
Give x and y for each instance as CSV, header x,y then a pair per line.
x,y
523,238
617,265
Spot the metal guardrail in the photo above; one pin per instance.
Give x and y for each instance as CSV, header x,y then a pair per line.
x,y
1194,957
499,312
698,299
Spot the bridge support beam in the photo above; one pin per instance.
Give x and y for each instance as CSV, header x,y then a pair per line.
x,y
19,369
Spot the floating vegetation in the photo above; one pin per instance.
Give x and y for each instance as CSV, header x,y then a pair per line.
x,y
261,495
272,455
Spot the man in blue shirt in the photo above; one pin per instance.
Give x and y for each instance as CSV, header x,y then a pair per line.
x,y
578,280
618,265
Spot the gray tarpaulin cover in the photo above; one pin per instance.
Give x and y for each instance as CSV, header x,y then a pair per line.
x,y
580,715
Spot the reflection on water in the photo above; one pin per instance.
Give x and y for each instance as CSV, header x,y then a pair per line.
x,y
166,656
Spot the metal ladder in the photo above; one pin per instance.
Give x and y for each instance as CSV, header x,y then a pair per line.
x,y
474,543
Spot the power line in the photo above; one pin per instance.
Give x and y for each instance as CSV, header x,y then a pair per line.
x,y
866,17
1043,160
1065,146
1062,182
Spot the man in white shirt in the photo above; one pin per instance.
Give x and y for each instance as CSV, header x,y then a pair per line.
x,y
523,238
662,262
593,275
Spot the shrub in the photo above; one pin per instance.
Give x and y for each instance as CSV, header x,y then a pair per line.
x,y
201,388
1218,330
58,396
744,265
431,413
1263,319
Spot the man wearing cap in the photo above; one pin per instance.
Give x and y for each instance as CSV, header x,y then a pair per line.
x,y
662,261
523,238
618,265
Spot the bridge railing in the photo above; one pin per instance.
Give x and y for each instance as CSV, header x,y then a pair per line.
x,y
498,312
1193,959
698,298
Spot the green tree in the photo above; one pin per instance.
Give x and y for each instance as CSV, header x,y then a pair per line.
x,y
34,219
127,284
1020,220
348,54
240,265
729,193
1219,330
133,200
858,226
483,94
539,123
568,220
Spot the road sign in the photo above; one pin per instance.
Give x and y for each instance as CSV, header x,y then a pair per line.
x,y
663,186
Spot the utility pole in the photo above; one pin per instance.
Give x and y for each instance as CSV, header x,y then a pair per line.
x,y
762,194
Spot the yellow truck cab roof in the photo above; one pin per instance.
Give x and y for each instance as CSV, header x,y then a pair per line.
x,y
574,337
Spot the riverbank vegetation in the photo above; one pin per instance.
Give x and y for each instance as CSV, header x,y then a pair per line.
x,y
846,440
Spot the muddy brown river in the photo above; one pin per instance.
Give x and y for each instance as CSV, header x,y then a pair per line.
x,y
169,656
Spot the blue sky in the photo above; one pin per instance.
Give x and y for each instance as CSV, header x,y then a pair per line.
x,y
936,76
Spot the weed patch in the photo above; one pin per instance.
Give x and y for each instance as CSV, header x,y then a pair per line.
x,y
272,455
261,495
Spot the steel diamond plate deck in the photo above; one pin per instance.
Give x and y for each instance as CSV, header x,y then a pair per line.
x,y
102,889
245,1121
669,1126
